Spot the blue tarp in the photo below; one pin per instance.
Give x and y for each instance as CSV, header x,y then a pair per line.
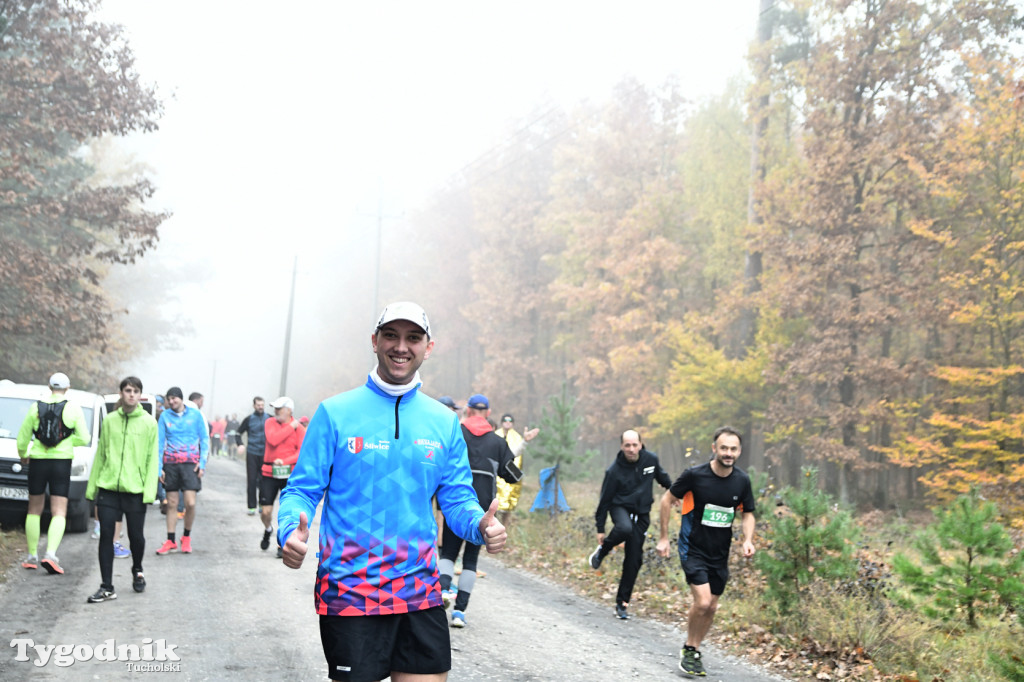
x,y
550,491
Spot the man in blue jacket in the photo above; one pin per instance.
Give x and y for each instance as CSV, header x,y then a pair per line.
x,y
376,455
184,447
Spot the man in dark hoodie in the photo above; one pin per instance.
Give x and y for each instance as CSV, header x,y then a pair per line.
x,y
489,457
626,494
254,449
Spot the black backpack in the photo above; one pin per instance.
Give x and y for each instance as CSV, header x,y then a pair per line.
x,y
52,429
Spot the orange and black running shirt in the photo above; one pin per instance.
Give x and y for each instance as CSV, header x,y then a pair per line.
x,y
710,504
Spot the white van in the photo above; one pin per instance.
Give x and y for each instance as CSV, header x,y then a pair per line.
x,y
15,400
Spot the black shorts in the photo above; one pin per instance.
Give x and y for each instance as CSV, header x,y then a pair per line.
x,y
365,648
181,476
269,488
128,503
55,473
701,572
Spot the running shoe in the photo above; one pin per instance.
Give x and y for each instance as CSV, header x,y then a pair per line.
x,y
181,515
120,551
52,565
186,545
448,597
31,561
458,619
690,663
280,552
620,611
163,507
95,530
265,542
139,583
168,546
251,512
102,595
596,559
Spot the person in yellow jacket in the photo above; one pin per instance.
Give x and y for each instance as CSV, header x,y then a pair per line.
x,y
508,493
123,481
50,465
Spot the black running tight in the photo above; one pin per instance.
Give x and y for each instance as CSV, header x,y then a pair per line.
x,y
135,523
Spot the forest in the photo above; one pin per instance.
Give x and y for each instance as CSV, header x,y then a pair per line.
x,y
827,255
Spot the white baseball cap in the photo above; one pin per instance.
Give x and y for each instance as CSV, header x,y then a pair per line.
x,y
60,380
404,310
283,401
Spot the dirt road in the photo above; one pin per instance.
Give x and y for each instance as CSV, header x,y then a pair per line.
x,y
231,611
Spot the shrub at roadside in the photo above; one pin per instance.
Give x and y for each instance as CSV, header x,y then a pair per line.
x,y
969,566
809,543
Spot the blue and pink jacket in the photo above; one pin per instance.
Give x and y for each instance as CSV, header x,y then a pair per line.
x,y
376,460
183,438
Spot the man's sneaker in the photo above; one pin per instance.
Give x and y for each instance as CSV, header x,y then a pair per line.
x,y
620,611
596,558
120,551
448,597
251,512
51,564
186,545
31,561
95,530
168,546
181,515
265,542
458,619
139,583
689,662
280,552
102,595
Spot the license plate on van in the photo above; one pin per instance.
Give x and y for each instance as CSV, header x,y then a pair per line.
x,y
14,493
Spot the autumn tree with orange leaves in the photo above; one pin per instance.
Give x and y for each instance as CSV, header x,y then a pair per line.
x,y
65,80
844,266
969,431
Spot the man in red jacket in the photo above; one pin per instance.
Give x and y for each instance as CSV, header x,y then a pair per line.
x,y
284,438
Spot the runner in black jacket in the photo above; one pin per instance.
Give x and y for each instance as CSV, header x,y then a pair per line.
x,y
626,494
489,457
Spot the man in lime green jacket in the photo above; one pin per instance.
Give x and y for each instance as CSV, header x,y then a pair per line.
x,y
50,465
123,481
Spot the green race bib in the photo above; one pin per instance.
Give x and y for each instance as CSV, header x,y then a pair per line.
x,y
280,470
718,517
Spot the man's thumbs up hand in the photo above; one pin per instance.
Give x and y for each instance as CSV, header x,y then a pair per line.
x,y
492,530
294,550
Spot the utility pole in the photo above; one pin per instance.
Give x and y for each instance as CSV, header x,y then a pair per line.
x,y
752,265
288,331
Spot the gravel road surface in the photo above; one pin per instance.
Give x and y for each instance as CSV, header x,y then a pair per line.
x,y
230,611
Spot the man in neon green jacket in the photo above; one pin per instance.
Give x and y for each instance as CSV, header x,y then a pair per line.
x,y
123,481
50,466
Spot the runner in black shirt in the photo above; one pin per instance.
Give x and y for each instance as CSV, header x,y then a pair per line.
x,y
712,495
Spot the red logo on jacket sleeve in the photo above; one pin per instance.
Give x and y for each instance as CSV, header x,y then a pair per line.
x,y
355,444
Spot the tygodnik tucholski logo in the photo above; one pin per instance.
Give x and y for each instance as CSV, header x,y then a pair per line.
x,y
149,656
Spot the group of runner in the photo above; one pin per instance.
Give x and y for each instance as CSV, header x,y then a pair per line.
x,y
711,495
377,456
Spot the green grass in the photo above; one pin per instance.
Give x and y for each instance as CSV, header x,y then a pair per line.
x,y
846,632
12,543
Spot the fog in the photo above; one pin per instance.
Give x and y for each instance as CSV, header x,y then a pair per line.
x,y
313,134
